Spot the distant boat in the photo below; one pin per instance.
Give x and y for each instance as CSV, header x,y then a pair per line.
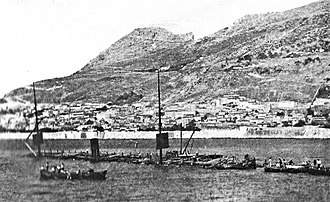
x,y
236,166
325,171
286,169
48,175
84,175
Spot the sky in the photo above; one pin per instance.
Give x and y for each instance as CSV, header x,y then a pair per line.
x,y
44,39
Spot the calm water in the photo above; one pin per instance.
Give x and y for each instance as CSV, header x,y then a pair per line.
x,y
19,176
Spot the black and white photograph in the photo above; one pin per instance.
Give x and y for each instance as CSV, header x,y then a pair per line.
x,y
165,100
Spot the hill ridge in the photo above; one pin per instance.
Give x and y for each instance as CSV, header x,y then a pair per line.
x,y
268,57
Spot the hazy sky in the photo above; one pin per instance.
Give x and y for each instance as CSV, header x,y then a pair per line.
x,y
41,39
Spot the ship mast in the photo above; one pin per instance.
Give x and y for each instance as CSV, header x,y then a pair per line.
x,y
38,137
160,119
37,122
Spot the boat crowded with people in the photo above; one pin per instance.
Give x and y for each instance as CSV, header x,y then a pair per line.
x,y
281,166
79,175
58,172
286,169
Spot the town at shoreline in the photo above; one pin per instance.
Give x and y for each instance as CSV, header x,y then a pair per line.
x,y
241,116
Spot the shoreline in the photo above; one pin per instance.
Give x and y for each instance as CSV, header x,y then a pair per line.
x,y
307,132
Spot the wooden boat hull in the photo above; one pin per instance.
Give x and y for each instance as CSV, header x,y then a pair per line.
x,y
321,171
234,167
47,175
284,170
94,175
85,175
88,175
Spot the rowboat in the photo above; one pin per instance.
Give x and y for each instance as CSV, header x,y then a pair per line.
x,y
236,166
286,169
79,175
48,175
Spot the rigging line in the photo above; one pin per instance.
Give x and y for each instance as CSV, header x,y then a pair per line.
x,y
191,146
30,134
28,146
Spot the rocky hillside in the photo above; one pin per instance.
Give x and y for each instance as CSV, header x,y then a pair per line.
x,y
268,57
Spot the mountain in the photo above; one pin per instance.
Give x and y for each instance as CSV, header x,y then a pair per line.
x,y
268,57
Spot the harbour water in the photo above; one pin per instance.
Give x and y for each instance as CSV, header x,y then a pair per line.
x,y
19,174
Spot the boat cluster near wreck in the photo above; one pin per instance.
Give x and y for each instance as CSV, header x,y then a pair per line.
x,y
174,158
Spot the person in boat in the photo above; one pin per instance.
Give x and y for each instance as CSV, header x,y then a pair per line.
x,y
53,169
280,162
225,159
232,160
265,163
61,169
318,163
291,162
270,162
252,162
284,163
58,168
315,163
246,160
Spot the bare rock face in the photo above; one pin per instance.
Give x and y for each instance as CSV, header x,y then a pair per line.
x,y
268,57
140,45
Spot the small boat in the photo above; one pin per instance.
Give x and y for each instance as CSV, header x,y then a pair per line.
x,y
48,175
286,169
235,166
319,171
79,175
232,163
